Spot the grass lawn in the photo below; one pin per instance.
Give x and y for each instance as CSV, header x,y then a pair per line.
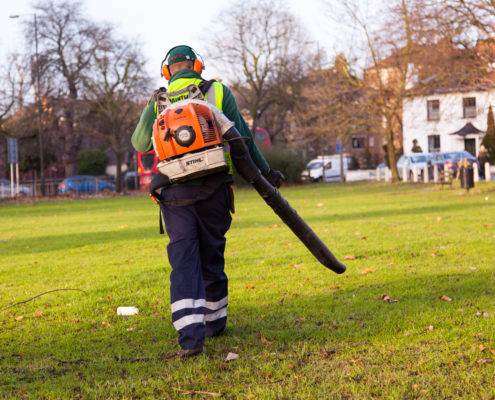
x,y
412,317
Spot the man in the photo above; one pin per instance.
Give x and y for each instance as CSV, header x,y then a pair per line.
x,y
198,284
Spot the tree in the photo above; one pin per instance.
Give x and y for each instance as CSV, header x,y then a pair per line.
x,y
266,53
112,87
68,42
489,139
331,109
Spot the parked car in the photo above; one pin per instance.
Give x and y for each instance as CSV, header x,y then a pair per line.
x,y
409,161
5,189
331,164
450,160
84,184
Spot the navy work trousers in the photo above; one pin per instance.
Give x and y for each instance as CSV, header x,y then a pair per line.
x,y
198,283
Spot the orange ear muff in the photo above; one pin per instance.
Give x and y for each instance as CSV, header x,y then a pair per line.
x,y
198,66
166,72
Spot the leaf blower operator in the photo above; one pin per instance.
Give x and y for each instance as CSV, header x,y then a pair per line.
x,y
194,189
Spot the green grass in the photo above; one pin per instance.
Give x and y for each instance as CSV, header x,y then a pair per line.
x,y
300,330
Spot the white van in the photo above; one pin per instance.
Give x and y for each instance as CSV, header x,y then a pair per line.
x,y
330,164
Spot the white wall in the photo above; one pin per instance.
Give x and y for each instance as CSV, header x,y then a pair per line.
x,y
416,125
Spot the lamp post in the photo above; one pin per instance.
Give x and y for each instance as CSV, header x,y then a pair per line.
x,y
38,100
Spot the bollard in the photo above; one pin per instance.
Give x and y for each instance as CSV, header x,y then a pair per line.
x,y
426,174
378,174
476,173
488,174
415,174
404,174
436,175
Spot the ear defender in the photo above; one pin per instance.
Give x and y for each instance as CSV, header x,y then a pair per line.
x,y
198,66
166,72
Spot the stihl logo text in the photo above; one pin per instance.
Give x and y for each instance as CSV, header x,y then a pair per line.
x,y
195,161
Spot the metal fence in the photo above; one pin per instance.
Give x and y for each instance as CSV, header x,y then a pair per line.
x,y
51,188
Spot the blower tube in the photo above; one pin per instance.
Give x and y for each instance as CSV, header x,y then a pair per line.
x,y
249,171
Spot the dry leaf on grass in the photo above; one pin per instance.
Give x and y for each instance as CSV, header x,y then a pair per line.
x,y
263,340
429,327
482,314
446,298
349,257
231,357
386,298
19,318
368,271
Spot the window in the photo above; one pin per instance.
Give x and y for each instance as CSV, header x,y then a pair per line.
x,y
433,143
358,143
469,107
433,110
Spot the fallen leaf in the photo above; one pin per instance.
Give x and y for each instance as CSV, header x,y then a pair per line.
x,y
263,340
320,205
249,287
105,323
349,257
274,226
19,318
446,298
38,314
484,361
368,271
429,327
433,255
291,366
482,314
231,356
388,299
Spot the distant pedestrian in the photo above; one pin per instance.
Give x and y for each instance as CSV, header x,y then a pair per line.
x,y
483,158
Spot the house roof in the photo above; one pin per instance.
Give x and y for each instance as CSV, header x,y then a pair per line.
x,y
467,129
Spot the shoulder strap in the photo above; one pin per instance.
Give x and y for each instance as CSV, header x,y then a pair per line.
x,y
205,86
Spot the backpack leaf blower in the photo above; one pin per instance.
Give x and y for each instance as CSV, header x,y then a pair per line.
x,y
188,139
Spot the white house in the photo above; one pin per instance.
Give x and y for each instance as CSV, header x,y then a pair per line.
x,y
450,121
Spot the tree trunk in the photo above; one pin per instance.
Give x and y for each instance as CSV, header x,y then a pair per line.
x,y
389,134
118,177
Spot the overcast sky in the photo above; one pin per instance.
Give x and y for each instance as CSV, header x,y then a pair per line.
x,y
159,24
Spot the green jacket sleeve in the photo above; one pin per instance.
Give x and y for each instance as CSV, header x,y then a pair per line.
x,y
229,107
141,138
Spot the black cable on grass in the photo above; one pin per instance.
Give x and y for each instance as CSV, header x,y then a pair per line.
x,y
39,295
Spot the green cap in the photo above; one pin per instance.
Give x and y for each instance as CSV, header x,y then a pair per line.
x,y
181,53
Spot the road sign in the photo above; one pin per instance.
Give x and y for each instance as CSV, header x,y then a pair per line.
x,y
12,153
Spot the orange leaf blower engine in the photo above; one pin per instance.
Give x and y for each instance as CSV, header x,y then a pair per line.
x,y
187,141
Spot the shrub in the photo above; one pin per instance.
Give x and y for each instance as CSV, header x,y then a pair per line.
x,y
92,162
281,158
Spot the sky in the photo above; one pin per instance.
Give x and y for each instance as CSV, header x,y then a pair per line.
x,y
161,24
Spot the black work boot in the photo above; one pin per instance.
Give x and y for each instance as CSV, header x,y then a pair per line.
x,y
184,353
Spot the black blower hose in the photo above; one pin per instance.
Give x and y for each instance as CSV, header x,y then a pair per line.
x,y
250,172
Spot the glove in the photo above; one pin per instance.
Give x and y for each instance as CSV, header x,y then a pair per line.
x,y
275,177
